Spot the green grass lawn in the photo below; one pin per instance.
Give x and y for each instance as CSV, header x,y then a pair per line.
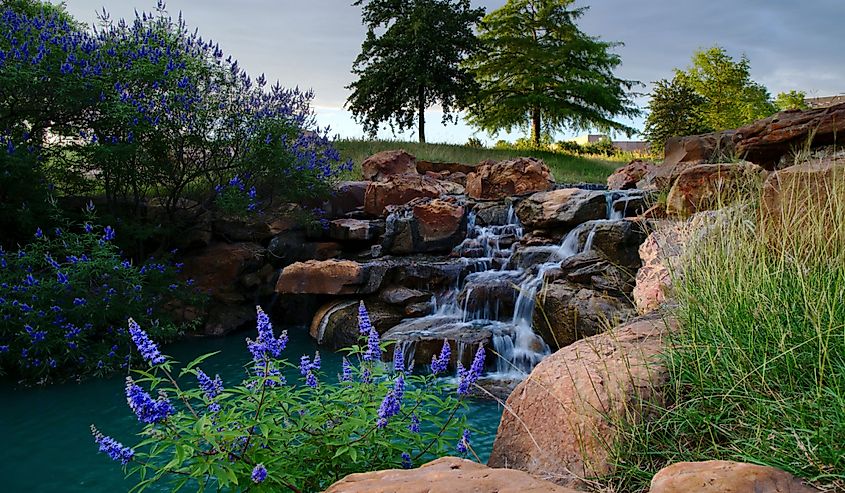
x,y
566,168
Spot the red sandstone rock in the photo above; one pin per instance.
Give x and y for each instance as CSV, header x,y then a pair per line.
x,y
381,166
720,476
627,176
321,277
399,190
507,178
710,186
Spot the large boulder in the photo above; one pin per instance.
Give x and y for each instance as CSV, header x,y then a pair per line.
x,y
508,178
399,190
720,476
661,264
794,194
321,277
424,167
445,475
710,186
346,197
383,165
560,421
617,239
218,269
765,142
567,312
627,176
336,323
564,208
425,226
356,229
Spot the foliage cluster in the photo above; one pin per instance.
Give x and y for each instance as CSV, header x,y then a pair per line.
x,y
146,108
288,426
65,295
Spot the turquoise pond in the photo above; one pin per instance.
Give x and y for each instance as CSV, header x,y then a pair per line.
x,y
47,445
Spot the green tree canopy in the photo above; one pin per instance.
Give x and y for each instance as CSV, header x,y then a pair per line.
x,y
538,68
792,100
411,60
732,98
674,109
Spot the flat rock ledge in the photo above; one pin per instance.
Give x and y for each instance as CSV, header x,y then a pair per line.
x,y
446,475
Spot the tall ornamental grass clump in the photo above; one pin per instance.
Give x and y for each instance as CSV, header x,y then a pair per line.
x,y
758,365
64,297
272,432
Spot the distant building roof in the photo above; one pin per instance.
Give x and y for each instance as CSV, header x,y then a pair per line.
x,y
824,102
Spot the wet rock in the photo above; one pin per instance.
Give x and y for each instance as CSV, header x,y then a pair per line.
x,y
425,226
445,475
567,312
490,294
564,208
399,190
595,271
717,476
400,295
421,309
618,240
423,338
627,176
355,229
631,204
573,398
508,178
335,324
710,186
383,165
493,213
527,256
321,277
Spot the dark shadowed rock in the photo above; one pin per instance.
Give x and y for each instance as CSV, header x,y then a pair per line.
x,y
336,323
618,240
356,229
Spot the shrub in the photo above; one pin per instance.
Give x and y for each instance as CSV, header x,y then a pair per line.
x,y
63,299
271,434
23,194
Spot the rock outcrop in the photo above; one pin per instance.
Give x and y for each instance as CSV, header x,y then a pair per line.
x,y
719,476
710,186
321,277
494,181
425,226
560,421
383,165
445,475
336,323
399,190
627,176
564,208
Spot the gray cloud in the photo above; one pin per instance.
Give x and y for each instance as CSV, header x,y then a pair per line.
x,y
312,43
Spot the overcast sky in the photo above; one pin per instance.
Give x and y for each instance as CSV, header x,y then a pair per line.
x,y
312,43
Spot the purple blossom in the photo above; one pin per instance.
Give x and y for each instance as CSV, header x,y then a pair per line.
x,y
389,407
210,388
315,365
364,324
311,380
399,387
147,409
414,427
469,377
406,461
266,344
114,449
346,368
463,443
259,474
39,234
441,362
108,233
373,351
148,349
304,365
398,359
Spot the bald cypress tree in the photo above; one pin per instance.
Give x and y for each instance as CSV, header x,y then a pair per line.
x,y
412,59
537,69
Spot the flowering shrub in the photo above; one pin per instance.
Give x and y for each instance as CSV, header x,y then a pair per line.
x,y
269,433
148,108
63,298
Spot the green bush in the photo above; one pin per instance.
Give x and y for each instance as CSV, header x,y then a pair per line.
x,y
289,426
64,298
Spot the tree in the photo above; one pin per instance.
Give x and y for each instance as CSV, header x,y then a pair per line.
x,y
410,60
675,109
538,70
792,100
732,98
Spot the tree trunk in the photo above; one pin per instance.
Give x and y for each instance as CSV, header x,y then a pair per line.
x,y
535,126
421,116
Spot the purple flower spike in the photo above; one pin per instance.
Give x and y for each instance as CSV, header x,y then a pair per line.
x,y
373,352
441,362
364,324
147,409
114,449
148,349
259,474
